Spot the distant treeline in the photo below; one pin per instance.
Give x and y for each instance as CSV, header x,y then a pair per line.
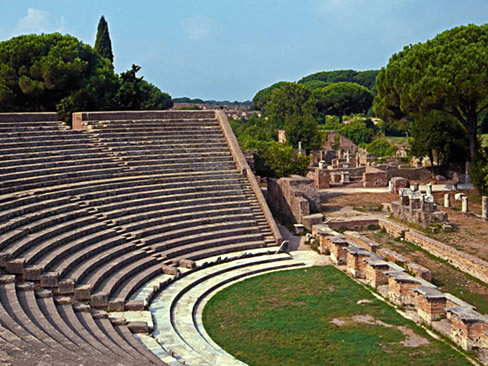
x,y
211,102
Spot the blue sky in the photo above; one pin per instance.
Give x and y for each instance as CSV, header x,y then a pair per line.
x,y
229,49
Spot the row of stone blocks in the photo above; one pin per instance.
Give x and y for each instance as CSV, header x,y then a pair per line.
x,y
446,313
81,293
41,327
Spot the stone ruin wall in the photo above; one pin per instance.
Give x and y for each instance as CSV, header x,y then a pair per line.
x,y
293,198
467,263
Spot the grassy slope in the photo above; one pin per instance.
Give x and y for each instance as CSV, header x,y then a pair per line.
x,y
284,318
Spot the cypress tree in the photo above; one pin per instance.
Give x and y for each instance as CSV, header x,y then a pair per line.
x,y
103,44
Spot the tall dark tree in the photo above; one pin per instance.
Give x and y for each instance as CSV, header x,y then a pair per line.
x,y
103,44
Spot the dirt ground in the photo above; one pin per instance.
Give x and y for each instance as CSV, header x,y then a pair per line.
x,y
470,235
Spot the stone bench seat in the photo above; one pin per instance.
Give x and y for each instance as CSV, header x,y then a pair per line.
x,y
69,163
47,169
113,247
167,161
153,155
14,152
83,240
162,132
52,159
44,143
65,258
59,179
129,150
155,127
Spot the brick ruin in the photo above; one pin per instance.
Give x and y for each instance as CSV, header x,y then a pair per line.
x,y
295,200
341,162
417,208
405,284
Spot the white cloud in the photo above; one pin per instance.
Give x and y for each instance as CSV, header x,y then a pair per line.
x,y
197,28
38,21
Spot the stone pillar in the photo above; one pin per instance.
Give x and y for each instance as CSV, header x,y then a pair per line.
x,y
429,189
447,200
484,207
464,204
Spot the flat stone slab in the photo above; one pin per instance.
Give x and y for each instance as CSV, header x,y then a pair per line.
x,y
136,316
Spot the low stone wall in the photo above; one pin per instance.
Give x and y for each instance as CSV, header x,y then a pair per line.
x,y
472,265
352,224
409,173
374,177
392,228
29,117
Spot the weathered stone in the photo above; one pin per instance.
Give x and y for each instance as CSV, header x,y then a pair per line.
x,y
187,263
116,305
484,207
33,273
464,204
171,270
49,280
99,300
135,305
138,327
447,200
66,287
7,279
83,293
15,266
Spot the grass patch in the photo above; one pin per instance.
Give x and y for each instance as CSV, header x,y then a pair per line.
x,y
285,318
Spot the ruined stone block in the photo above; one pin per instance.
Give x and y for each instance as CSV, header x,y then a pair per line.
x,y
66,287
15,266
116,305
135,305
33,273
83,293
99,300
49,280
187,263
171,270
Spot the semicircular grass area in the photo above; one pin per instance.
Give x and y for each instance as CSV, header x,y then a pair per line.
x,y
317,316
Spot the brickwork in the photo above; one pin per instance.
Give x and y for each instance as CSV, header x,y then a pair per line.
x,y
293,198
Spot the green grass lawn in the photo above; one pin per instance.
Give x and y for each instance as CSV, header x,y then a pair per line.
x,y
285,318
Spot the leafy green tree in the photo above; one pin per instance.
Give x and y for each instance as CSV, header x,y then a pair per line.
x,y
364,78
274,159
359,131
135,93
304,129
381,147
446,74
315,84
53,72
263,96
440,137
343,98
103,44
289,101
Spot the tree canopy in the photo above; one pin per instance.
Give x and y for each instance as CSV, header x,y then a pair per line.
x,y
103,44
263,96
38,72
364,78
446,74
50,72
343,98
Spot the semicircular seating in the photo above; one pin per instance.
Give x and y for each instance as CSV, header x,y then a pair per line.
x,y
90,216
